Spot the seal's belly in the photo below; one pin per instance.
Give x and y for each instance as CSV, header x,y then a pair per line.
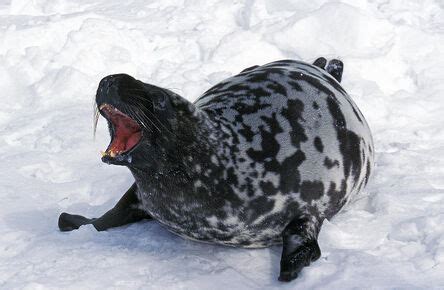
x,y
201,224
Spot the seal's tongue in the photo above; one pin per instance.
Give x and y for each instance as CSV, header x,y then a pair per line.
x,y
126,131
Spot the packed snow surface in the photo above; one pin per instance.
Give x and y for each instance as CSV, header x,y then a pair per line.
x,y
53,54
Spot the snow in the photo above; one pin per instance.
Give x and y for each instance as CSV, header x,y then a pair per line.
x,y
53,54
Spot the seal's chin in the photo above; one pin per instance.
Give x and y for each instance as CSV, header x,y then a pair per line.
x,y
125,134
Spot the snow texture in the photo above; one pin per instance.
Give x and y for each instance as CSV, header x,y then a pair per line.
x,y
53,54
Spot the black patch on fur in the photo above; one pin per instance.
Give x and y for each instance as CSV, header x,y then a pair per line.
x,y
357,114
315,105
337,200
231,176
295,86
290,176
349,142
311,190
293,113
318,144
263,75
248,187
244,109
259,207
367,173
277,88
330,163
270,147
247,132
268,188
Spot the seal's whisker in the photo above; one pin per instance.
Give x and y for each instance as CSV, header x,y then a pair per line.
x,y
153,116
160,122
144,117
136,115
95,119
141,120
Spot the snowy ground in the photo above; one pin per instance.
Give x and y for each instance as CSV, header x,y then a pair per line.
x,y
54,52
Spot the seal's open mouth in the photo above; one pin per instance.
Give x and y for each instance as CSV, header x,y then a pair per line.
x,y
126,133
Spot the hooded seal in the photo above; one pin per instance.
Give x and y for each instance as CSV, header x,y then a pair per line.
x,y
261,158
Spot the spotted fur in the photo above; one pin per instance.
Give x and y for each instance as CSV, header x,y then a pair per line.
x,y
270,145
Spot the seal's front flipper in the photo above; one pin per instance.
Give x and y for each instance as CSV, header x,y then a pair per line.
x,y
300,248
320,62
335,68
69,222
124,212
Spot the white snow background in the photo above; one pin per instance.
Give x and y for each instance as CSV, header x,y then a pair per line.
x,y
53,54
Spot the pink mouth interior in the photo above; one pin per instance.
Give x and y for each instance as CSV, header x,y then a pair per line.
x,y
127,132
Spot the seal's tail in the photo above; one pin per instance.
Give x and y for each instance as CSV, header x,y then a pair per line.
x,y
335,67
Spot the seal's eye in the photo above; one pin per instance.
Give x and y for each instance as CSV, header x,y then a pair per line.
x,y
126,133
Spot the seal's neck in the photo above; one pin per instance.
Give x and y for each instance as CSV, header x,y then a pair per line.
x,y
184,155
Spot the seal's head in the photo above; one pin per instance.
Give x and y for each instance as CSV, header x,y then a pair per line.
x,y
145,122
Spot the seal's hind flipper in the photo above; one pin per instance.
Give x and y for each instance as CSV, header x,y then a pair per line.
x,y
320,62
335,68
300,248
